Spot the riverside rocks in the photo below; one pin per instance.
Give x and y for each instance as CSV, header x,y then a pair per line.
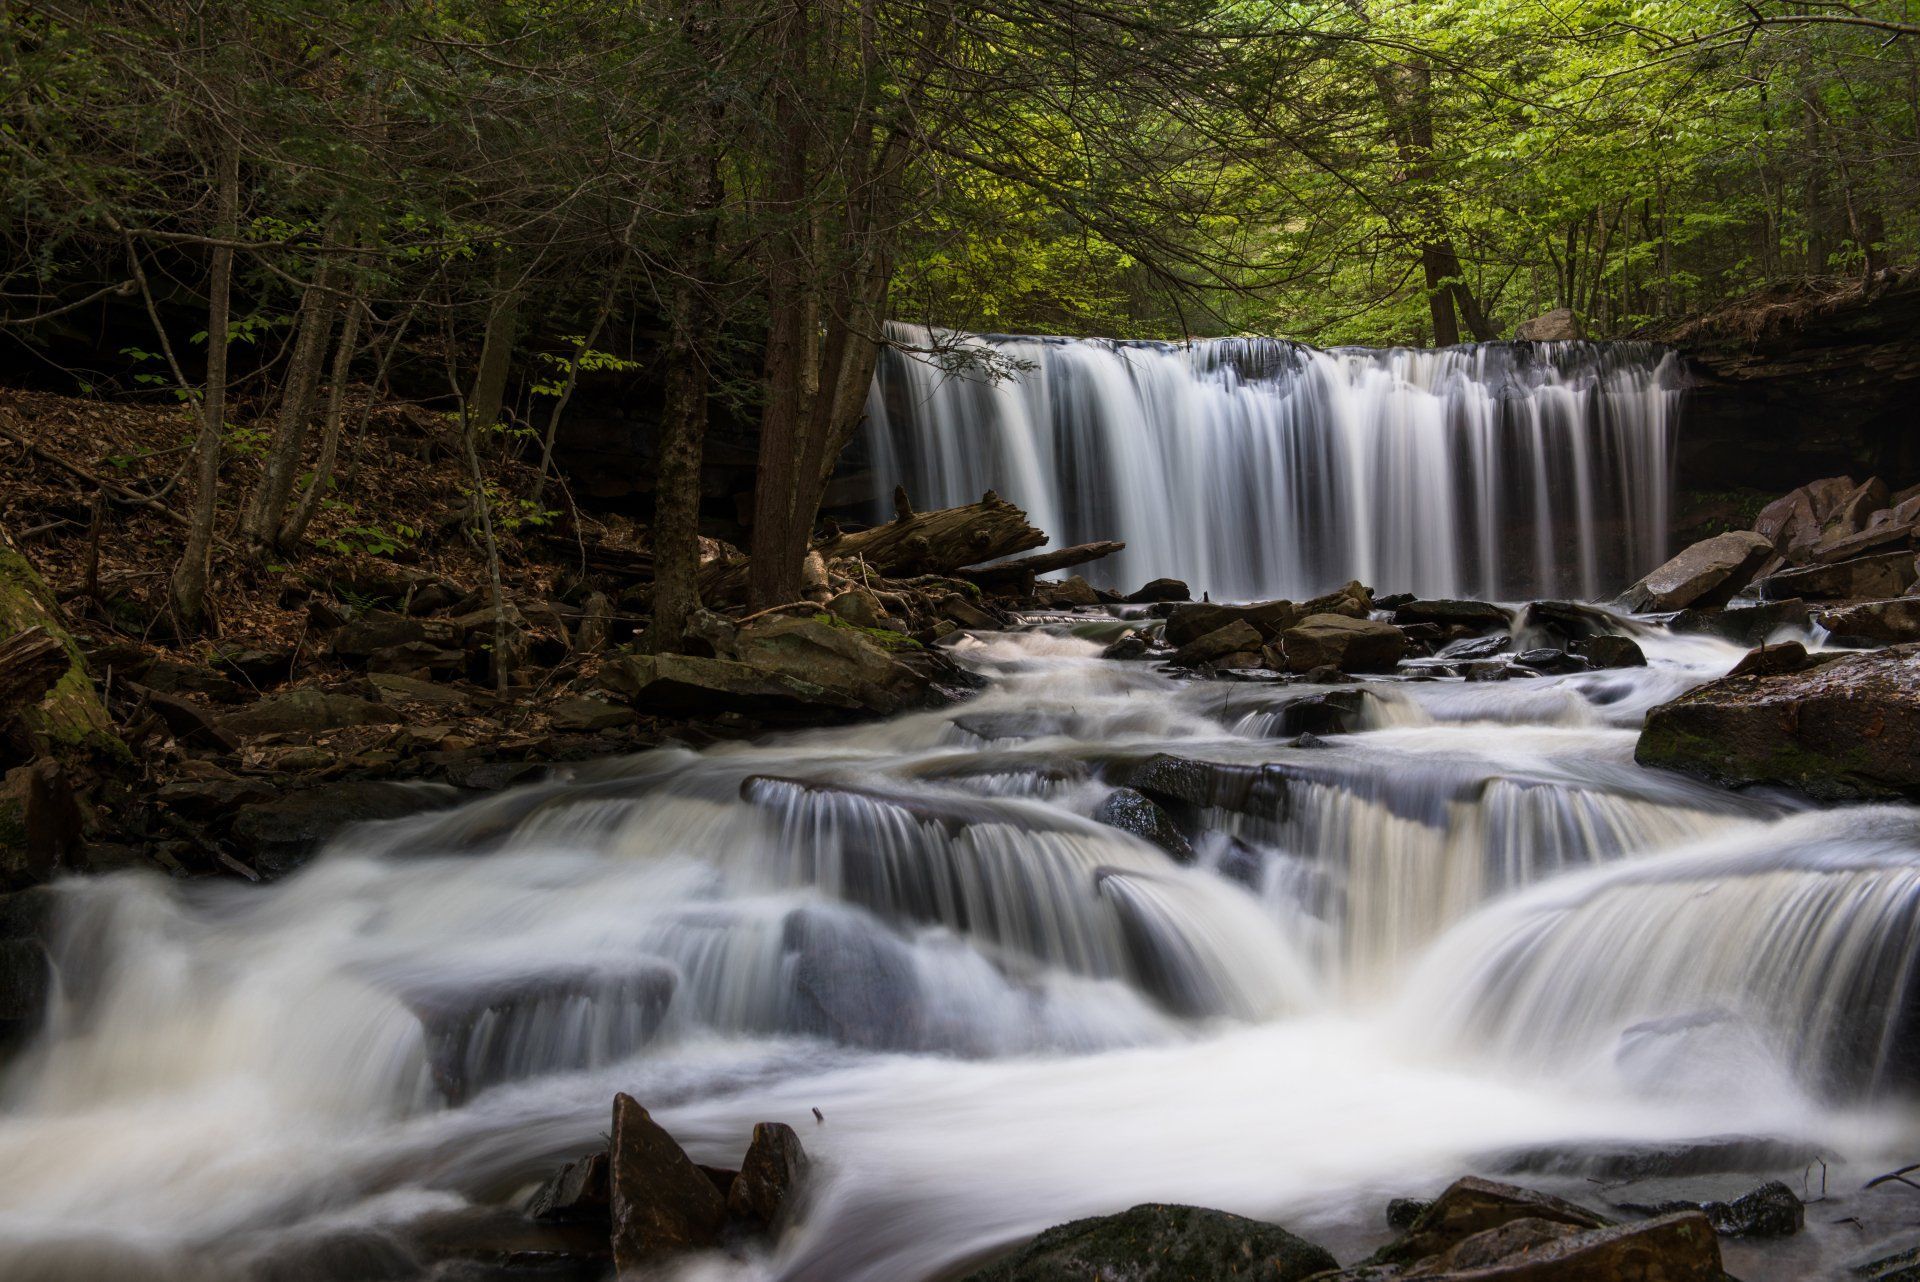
x,y
661,1204
771,1176
1884,574
1349,644
1132,811
1887,622
1847,728
1708,573
1155,1242
1231,638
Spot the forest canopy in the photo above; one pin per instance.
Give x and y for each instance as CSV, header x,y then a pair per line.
x,y
260,204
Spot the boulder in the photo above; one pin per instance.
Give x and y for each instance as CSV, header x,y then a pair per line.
x,y
682,683
661,1204
1845,728
1673,1248
1351,645
1217,644
1191,621
1708,573
305,712
577,1191
1547,659
861,666
1072,593
1130,646
1771,1210
1772,660
1481,616
378,630
1845,547
1611,651
1888,622
1885,574
771,1176
861,608
584,715
1851,514
1132,811
1557,326
395,690
1161,1243
1334,712
1161,590
1789,521
1744,625
1472,1205
40,823
281,834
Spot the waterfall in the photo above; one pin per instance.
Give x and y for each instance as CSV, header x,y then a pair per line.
x,y
1256,468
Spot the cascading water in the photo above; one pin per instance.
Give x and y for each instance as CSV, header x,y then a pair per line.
x,y
1254,468
1469,926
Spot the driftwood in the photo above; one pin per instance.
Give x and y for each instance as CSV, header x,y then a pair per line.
x,y
940,542
30,663
1018,574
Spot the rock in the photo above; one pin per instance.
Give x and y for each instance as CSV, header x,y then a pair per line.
x,y
212,798
1886,574
661,1204
862,668
1130,646
1559,623
1611,652
281,834
1851,514
304,712
1888,622
1217,644
585,715
771,1177
1615,1162
397,691
1161,590
1156,1242
1557,326
1070,594
957,609
26,980
577,1191
1481,616
1772,660
1351,645
379,630
1550,660
1134,812
1674,1248
418,659
1879,1264
680,683
1191,621
1770,1211
861,608
1473,1205
1845,547
1843,729
255,666
851,981
170,676
1745,625
1789,522
39,823
1334,712
1403,1211
473,1244
1708,573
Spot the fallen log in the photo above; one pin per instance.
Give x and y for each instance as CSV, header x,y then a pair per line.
x,y
942,541
69,717
1018,573
30,663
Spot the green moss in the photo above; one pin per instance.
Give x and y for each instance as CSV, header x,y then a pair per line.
x,y
71,715
885,637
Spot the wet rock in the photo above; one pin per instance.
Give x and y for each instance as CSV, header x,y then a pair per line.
x,y
1482,648
1352,645
1132,811
680,683
171,676
494,1244
1234,636
1708,573
1879,1264
40,823
1878,538
26,979
1190,622
1161,590
851,981
1675,1248
1745,625
1072,593
1481,616
214,797
1611,652
1550,660
1615,1163
1772,660
584,716
1156,1242
1885,574
1473,1205
1130,646
1560,623
305,712
1843,729
661,1203
1335,712
957,609
1770,1211
860,667
577,1191
282,834
1403,1211
771,1178
1882,622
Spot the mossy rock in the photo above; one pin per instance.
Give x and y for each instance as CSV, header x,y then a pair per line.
x,y
70,720
1156,1242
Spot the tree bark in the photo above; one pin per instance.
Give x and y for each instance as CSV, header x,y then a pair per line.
x,y
268,508
295,527
943,541
496,351
188,585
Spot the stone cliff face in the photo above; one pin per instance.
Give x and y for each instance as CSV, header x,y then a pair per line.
x,y
1801,382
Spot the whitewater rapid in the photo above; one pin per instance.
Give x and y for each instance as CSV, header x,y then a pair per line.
x,y
1471,927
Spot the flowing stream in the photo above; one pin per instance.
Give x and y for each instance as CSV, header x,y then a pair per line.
x,y
1257,468
1471,934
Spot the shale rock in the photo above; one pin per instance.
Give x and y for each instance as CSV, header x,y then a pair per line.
x,y
1072,593
1352,645
305,712
1708,573
771,1176
1847,728
856,665
1745,625
680,683
1771,1210
1481,616
1132,811
1885,574
281,834
1161,590
1887,622
1772,660
1222,641
1130,646
39,823
1189,622
577,1191
1473,1205
1611,652
1161,1243
661,1203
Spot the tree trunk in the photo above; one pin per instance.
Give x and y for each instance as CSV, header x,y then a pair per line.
x,y
943,541
189,583
496,351
295,528
69,721
268,508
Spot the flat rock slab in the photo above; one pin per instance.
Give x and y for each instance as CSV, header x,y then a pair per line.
x,y
1161,1243
1708,573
